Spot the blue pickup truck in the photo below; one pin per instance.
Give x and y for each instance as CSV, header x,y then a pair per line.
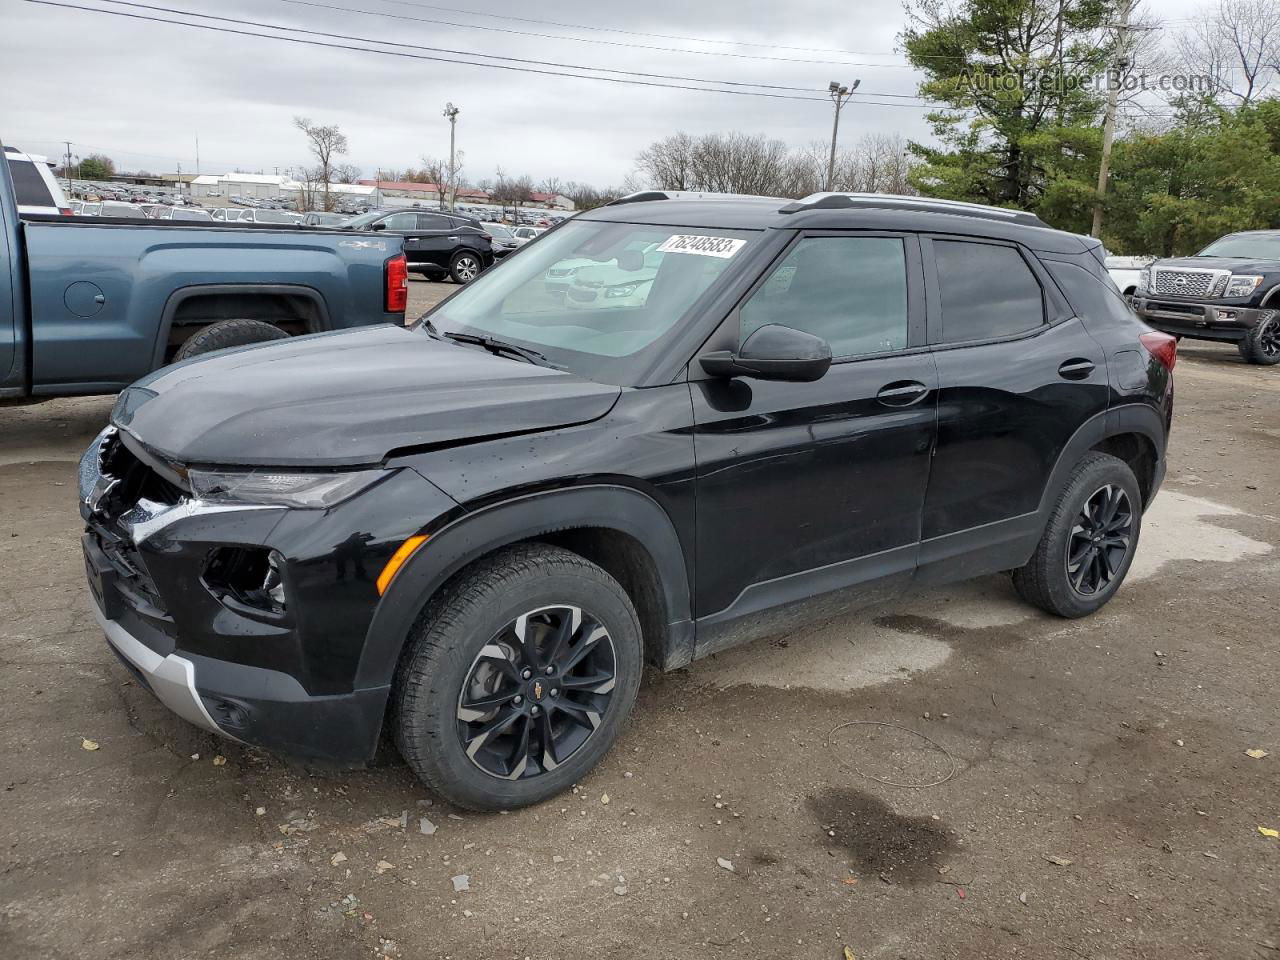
x,y
88,305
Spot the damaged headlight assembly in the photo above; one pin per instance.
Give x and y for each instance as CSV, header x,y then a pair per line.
x,y
307,491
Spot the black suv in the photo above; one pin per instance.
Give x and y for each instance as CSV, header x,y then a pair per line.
x,y
435,244
1229,291
470,534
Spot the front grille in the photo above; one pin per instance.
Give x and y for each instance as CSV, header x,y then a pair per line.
x,y
125,486
1186,283
128,480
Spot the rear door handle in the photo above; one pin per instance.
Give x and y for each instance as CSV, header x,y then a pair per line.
x,y
1077,368
902,393
453,239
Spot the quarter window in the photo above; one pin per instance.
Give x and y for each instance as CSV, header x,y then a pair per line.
x,y
850,291
987,291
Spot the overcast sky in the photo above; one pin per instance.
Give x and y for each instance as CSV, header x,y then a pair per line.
x,y
142,91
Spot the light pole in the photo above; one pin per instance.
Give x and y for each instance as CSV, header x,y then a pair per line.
x,y
840,95
451,112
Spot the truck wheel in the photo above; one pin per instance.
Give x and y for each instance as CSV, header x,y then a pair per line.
x,y
228,333
1261,344
1089,541
517,678
464,268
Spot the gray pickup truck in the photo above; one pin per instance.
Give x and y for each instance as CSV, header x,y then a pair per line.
x,y
90,304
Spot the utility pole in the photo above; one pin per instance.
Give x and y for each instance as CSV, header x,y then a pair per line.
x,y
451,112
66,170
840,95
197,154
1109,123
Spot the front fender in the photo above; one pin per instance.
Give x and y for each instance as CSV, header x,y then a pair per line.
x,y
474,535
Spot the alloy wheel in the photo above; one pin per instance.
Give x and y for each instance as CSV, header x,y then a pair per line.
x,y
1269,336
467,268
1099,540
536,692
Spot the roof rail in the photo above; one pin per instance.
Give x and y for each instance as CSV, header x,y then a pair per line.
x,y
646,195
891,201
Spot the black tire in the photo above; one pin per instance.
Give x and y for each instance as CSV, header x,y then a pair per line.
x,y
465,266
1261,343
1047,580
228,333
447,646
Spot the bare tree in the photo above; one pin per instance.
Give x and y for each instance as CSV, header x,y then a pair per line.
x,y
1237,45
326,144
391,175
346,173
552,185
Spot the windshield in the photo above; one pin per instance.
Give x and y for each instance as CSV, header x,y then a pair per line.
x,y
1257,246
596,298
497,231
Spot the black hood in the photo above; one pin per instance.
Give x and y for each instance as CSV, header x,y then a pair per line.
x,y
345,398
1234,264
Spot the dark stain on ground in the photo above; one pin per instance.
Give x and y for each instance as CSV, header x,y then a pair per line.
x,y
990,638
881,843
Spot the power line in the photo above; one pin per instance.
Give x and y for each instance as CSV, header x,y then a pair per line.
x,y
439,59
633,33
611,43
459,53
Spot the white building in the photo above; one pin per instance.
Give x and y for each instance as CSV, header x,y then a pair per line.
x,y
263,186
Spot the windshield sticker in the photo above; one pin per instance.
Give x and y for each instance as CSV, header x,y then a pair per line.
x,y
722,247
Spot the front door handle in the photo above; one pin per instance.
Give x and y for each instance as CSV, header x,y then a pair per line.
x,y
902,393
411,239
1077,368
453,239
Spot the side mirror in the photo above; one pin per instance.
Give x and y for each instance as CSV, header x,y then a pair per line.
x,y
773,352
380,225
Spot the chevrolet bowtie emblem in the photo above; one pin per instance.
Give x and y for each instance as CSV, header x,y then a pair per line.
x,y
537,690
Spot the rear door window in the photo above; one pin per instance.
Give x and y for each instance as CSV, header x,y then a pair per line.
x,y
28,184
987,290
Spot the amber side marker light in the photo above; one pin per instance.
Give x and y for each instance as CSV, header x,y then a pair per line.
x,y
398,560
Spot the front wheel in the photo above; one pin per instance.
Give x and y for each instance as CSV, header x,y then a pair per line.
x,y
464,268
1261,344
1089,541
517,678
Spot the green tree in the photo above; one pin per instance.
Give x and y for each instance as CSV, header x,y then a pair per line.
x,y
1175,191
96,166
1016,124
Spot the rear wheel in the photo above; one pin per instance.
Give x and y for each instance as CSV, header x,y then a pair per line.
x,y
517,680
1261,344
1089,541
465,267
228,333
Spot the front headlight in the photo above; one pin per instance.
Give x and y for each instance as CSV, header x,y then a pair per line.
x,y
266,486
1147,280
622,290
1241,285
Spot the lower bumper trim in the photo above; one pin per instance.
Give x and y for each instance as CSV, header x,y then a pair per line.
x,y
172,679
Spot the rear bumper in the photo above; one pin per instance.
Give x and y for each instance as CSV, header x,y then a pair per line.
x,y
1199,320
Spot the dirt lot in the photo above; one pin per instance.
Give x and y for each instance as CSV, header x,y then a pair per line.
x,y
1095,799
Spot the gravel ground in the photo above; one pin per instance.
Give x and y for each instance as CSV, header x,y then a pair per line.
x,y
1091,794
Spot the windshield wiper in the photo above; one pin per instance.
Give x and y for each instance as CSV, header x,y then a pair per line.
x,y
494,345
